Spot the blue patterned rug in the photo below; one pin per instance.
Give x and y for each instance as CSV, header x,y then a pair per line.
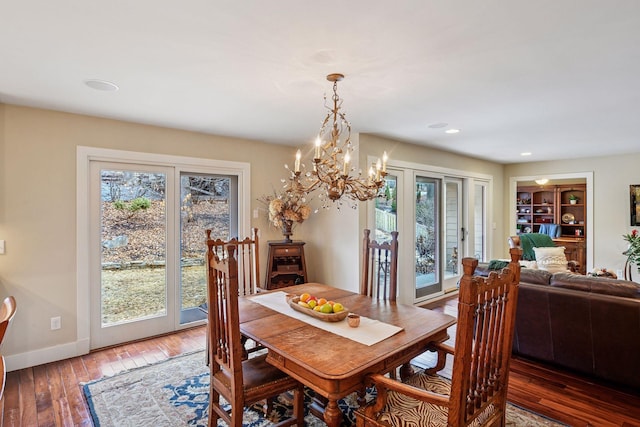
x,y
175,393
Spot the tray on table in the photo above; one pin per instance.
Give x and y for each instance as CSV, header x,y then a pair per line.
x,y
326,317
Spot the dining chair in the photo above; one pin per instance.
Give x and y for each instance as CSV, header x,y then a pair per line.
x,y
7,311
380,274
238,380
248,257
477,392
380,267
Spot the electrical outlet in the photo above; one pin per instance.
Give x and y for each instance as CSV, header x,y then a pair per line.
x,y
1,247
55,323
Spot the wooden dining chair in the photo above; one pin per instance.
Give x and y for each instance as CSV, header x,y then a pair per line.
x,y
7,311
380,267
380,274
248,257
240,381
477,393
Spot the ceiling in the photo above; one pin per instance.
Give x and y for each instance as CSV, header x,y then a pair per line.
x,y
557,78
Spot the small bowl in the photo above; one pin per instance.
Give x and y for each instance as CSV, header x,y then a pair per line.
x,y
353,320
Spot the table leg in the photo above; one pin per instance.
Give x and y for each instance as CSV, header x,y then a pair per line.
x,y
362,393
406,371
332,414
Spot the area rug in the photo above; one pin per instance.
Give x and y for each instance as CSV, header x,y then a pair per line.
x,y
175,393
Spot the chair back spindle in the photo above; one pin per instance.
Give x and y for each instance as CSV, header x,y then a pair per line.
x,y
248,258
380,267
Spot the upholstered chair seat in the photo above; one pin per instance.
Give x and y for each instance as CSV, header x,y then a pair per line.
x,y
404,411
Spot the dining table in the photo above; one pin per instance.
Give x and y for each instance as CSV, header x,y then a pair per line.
x,y
329,357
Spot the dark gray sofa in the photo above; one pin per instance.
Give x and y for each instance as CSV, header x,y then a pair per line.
x,y
586,324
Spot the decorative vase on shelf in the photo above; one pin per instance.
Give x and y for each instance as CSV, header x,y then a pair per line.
x,y
573,201
287,230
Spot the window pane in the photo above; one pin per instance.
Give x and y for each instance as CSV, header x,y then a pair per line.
x,y
133,234
452,195
205,205
480,222
386,210
427,274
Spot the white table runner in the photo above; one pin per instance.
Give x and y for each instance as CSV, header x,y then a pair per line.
x,y
369,332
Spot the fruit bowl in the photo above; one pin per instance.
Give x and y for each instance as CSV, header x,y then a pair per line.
x,y
327,317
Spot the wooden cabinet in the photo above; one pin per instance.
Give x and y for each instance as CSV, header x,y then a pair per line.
x,y
286,265
572,210
562,205
524,210
575,250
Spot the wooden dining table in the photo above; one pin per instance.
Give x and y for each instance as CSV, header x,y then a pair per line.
x,y
332,365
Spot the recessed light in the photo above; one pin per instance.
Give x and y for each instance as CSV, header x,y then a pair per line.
x,y
438,125
452,131
525,153
102,85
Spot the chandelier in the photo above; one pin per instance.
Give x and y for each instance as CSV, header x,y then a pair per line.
x,y
332,173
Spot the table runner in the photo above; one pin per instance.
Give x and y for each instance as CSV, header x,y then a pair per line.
x,y
369,332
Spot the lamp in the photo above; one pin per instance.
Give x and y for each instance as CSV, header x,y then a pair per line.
x,y
542,181
332,161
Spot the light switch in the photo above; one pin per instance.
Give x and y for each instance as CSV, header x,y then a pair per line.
x,y
1,247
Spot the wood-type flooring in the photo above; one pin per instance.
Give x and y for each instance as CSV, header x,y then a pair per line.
x,y
50,395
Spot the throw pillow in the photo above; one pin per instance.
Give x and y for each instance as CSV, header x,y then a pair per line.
x,y
528,264
552,260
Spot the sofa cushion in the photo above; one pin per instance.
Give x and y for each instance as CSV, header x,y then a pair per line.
x,y
534,276
551,259
598,285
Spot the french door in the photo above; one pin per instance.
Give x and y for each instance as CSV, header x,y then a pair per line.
x,y
430,210
147,245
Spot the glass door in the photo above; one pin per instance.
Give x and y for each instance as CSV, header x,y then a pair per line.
x,y
133,228
148,243
427,238
440,217
386,214
207,202
454,232
480,222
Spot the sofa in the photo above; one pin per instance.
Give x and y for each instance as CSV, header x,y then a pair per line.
x,y
586,324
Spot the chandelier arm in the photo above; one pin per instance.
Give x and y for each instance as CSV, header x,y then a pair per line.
x,y
332,161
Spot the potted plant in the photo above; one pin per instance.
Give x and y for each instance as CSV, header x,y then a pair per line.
x,y
573,199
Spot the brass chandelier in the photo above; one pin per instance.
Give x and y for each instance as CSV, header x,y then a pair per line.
x,y
333,173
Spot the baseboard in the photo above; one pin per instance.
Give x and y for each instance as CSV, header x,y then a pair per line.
x,y
449,294
41,356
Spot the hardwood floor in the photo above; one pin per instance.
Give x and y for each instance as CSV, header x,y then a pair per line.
x,y
50,395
